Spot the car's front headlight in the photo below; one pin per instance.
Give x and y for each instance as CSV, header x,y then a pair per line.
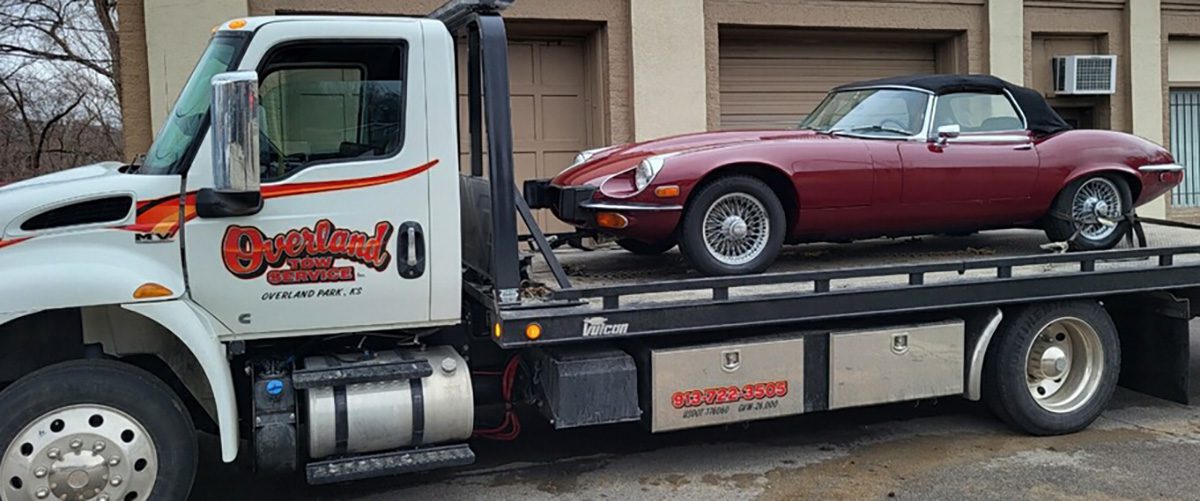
x,y
648,169
586,155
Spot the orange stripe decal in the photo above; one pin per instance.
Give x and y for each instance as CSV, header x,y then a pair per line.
x,y
162,215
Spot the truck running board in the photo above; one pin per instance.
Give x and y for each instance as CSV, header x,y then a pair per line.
x,y
360,372
389,463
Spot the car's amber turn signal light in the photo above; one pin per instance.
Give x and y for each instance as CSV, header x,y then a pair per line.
x,y
533,331
669,191
611,220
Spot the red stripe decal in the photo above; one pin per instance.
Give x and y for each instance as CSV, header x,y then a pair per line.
x,y
12,241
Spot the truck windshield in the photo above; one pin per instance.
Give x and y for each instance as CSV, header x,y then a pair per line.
x,y
186,122
869,111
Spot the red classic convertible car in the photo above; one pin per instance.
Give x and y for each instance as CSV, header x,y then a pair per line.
x,y
891,157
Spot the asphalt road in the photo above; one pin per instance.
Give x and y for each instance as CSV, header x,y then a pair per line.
x,y
1142,447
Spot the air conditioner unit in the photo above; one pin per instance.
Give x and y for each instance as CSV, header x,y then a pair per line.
x,y
1085,74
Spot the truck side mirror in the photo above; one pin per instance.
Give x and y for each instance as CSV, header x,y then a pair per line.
x,y
235,160
947,132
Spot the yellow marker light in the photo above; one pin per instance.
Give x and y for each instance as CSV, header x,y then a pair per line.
x,y
237,25
670,191
533,331
496,330
152,290
611,220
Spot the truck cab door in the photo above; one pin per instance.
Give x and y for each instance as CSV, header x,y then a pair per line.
x,y
342,239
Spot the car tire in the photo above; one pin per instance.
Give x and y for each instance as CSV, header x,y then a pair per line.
x,y
646,248
1071,204
77,405
1021,363
753,219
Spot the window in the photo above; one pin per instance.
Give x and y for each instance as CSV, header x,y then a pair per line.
x,y
974,112
330,102
189,118
892,112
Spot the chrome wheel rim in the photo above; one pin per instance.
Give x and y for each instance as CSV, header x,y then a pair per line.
x,y
1096,208
78,453
736,229
1064,365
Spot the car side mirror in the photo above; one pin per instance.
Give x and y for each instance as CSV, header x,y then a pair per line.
x,y
947,132
235,160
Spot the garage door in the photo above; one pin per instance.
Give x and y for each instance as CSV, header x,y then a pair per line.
x,y
547,80
773,81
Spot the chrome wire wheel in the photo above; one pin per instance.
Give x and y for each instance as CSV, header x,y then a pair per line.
x,y
736,228
1097,208
81,452
1064,365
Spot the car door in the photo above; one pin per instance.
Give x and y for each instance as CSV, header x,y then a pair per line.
x,y
340,239
983,161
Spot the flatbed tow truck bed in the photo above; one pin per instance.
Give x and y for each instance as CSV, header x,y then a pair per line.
x,y
622,295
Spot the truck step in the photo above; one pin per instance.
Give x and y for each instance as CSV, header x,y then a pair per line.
x,y
363,372
389,463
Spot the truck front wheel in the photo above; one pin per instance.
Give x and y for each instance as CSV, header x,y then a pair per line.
x,y
1052,367
95,430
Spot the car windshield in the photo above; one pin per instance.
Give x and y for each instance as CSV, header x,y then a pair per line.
x,y
885,112
186,120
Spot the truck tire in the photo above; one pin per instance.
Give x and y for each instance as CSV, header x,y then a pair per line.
x,y
1082,201
85,429
1052,367
732,226
646,248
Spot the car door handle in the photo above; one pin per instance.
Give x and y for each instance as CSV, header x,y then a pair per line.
x,y
1026,146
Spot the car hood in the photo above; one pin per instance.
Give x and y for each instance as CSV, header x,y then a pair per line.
x,y
621,158
22,197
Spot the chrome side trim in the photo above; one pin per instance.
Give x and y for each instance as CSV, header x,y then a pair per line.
x,y
632,207
1161,168
999,138
975,369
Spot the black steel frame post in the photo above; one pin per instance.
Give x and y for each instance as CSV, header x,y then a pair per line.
x,y
489,42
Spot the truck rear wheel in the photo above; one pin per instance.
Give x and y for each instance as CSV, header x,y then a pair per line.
x,y
95,430
1053,367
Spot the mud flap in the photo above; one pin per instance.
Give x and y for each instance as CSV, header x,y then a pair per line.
x,y
1155,343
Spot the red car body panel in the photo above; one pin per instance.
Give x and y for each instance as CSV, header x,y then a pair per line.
x,y
849,187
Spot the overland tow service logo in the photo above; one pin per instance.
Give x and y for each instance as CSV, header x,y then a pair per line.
x,y
306,255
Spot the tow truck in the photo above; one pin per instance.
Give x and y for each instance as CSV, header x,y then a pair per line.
x,y
298,266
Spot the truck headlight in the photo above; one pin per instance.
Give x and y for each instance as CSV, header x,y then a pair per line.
x,y
648,169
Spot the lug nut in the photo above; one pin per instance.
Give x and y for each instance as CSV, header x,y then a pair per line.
x,y
54,453
116,480
40,472
77,443
115,460
98,446
42,493
103,497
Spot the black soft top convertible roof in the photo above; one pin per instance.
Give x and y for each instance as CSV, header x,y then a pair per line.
x,y
1040,117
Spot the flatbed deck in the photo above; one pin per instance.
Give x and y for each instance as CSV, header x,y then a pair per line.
x,y
646,295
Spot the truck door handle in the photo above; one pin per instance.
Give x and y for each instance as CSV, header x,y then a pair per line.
x,y
410,245
1026,146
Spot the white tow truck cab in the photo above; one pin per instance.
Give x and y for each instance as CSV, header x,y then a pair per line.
x,y
298,266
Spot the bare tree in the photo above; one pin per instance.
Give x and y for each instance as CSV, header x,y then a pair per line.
x,y
59,84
